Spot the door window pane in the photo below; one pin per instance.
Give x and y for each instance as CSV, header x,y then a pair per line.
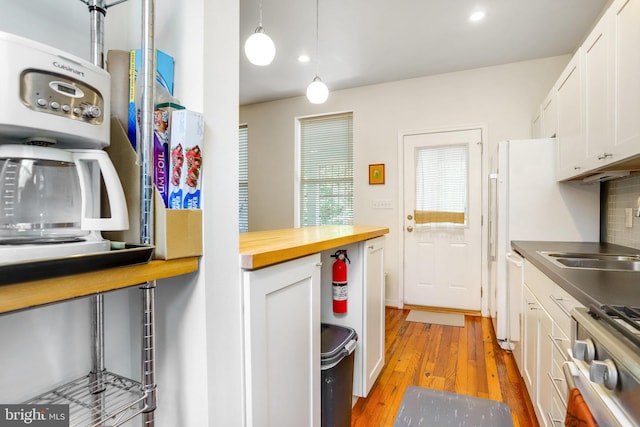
x,y
441,186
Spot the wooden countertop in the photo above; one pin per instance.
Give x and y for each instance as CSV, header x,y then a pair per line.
x,y
23,295
263,248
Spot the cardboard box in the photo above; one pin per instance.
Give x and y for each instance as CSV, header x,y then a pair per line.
x,y
178,233
187,137
164,80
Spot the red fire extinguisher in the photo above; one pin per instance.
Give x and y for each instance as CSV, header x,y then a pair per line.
x,y
340,281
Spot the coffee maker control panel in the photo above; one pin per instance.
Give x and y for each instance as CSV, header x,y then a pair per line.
x,y
52,93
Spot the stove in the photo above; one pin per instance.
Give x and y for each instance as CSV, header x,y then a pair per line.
x,y
606,352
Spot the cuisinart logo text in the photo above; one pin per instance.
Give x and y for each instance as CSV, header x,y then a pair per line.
x,y
34,415
68,68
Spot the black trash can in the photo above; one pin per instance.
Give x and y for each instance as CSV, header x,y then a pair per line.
x,y
338,344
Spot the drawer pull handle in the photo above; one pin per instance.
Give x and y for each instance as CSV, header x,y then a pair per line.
x,y
557,301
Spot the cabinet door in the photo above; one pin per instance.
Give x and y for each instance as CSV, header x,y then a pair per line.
x,y
536,125
549,115
282,343
626,71
570,109
530,343
598,106
545,362
374,295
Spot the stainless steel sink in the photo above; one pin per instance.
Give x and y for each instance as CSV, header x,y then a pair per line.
x,y
594,261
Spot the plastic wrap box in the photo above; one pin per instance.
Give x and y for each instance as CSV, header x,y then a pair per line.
x,y
185,151
178,232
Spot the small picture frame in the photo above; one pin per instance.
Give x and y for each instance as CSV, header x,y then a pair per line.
x,y
376,174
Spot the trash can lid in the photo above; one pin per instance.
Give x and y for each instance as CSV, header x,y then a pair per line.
x,y
333,339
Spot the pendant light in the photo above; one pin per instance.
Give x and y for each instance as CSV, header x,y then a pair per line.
x,y
259,47
317,91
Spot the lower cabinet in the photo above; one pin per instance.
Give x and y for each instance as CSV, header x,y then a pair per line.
x,y
546,330
284,305
282,343
365,308
537,355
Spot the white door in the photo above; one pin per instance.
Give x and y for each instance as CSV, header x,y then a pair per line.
x,y
442,219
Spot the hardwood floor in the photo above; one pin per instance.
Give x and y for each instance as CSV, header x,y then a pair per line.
x,y
463,360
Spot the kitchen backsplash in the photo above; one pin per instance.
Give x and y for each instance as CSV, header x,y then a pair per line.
x,y
623,193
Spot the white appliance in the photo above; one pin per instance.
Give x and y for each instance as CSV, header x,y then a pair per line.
x,y
527,203
54,119
51,96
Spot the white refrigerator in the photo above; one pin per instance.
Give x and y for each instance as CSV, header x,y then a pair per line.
x,y
527,203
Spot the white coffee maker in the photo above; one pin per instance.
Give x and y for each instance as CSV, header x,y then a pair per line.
x,y
54,122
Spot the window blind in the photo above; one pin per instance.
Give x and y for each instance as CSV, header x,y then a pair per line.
x,y
243,179
326,170
441,185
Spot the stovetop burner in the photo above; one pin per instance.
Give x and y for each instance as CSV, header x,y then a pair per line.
x,y
625,320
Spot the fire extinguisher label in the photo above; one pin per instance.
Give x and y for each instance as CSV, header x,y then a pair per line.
x,y
340,291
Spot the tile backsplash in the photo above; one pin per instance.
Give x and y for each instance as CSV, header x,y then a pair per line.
x,y
620,194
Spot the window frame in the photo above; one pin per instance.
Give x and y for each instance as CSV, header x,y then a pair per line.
x,y
298,163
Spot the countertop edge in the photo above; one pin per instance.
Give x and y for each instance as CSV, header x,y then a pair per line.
x,y
589,287
266,256
19,296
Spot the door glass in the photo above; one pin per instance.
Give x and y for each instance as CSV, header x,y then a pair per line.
x,y
441,186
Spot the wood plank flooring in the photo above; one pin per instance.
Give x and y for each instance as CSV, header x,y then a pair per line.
x,y
463,360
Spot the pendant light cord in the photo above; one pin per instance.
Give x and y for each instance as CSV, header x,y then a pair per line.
x,y
317,30
260,8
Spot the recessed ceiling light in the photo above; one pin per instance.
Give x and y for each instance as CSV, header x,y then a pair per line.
x,y
477,16
303,58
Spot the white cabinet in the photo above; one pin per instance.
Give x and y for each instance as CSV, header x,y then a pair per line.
x,y
530,343
365,307
536,125
547,328
570,110
545,123
373,316
625,63
549,126
282,343
598,97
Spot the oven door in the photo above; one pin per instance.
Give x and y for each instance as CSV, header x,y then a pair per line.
x,y
600,400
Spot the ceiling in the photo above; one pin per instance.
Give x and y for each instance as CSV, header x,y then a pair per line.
x,y
363,42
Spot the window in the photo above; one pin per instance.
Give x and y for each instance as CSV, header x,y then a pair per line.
x,y
326,170
441,186
243,179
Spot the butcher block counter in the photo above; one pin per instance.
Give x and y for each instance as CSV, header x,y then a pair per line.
x,y
264,248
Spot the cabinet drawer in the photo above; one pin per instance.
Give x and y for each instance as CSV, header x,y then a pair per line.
x,y
557,374
558,411
560,308
539,284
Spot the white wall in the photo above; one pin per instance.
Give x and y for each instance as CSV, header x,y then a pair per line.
x,y
198,316
503,98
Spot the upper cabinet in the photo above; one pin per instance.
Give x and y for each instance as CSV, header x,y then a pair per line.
x,y
549,115
545,123
598,108
597,99
625,68
570,127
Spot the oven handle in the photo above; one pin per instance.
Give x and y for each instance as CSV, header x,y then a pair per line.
x,y
570,371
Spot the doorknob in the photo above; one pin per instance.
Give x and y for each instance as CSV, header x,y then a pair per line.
x,y
409,217
409,229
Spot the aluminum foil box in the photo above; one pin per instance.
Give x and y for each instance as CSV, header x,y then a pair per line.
x,y
178,232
